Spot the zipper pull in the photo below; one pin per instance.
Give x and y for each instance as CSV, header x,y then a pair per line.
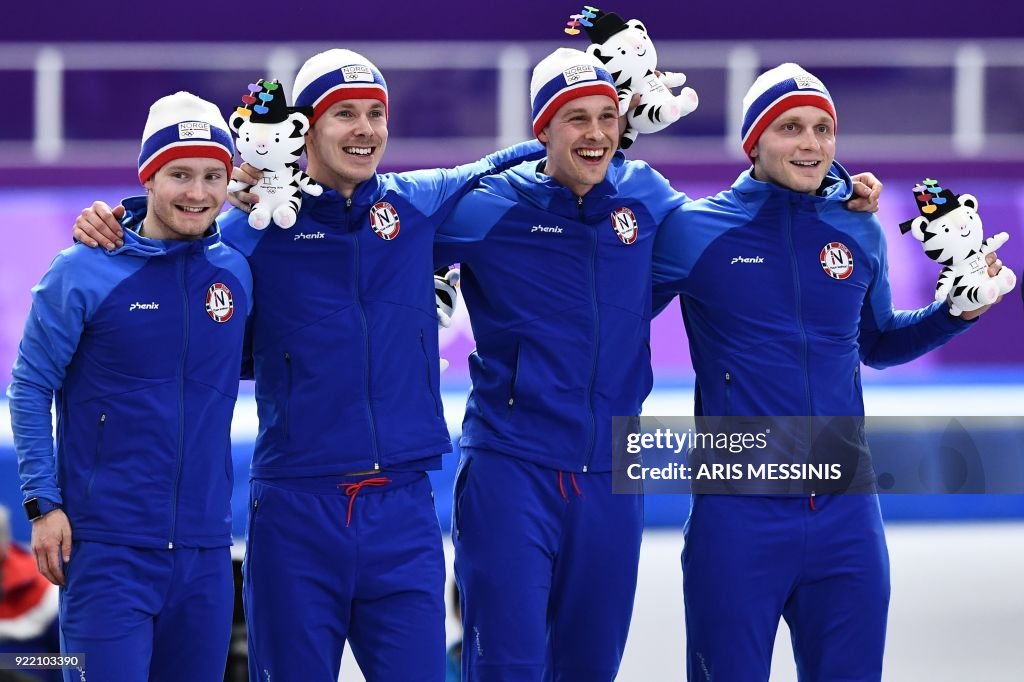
x,y
810,501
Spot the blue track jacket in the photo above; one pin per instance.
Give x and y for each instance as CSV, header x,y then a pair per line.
x,y
141,347
783,296
558,290
344,332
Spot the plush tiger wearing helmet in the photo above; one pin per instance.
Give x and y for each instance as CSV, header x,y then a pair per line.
x,y
270,138
950,230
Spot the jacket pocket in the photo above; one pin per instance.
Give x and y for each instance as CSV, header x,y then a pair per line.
x,y
98,459
457,495
288,394
430,381
250,536
515,377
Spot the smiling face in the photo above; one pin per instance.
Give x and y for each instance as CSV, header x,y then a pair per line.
x,y
184,198
580,140
796,150
346,143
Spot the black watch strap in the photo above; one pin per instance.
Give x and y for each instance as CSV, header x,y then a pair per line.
x,y
37,507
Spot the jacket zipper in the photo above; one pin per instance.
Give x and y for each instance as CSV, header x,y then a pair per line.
x,y
366,335
99,455
288,396
430,384
799,318
515,374
800,324
728,393
596,335
181,398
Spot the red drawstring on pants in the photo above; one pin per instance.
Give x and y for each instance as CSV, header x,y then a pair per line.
x,y
351,489
561,486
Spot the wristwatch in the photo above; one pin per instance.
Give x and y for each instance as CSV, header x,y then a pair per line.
x,y
37,507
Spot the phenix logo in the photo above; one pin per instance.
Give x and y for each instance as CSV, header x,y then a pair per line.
x,y
144,306
741,259
309,235
541,228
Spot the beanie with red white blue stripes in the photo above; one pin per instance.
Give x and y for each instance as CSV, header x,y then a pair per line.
x,y
183,126
775,91
336,75
562,76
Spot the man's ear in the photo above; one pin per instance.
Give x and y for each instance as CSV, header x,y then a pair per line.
x,y
543,136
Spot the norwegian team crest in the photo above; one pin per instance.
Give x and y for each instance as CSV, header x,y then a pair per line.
x,y
384,220
220,304
624,223
837,260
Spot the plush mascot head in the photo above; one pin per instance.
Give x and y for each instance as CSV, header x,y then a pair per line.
x,y
622,46
270,133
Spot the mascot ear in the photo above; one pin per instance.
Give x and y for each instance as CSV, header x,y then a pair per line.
x,y
236,121
917,227
301,124
969,201
638,25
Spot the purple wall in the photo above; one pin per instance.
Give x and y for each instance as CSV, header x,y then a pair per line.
x,y
265,20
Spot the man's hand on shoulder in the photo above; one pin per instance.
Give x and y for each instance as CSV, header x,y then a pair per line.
x,y
866,191
98,226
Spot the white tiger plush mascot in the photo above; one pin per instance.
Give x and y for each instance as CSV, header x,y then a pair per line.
x,y
270,138
626,51
950,230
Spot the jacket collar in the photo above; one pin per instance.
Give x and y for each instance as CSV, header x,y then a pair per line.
x,y
137,245
333,208
542,190
837,186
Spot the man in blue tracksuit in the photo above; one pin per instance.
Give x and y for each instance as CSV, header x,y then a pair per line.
x,y
343,540
140,348
555,259
784,293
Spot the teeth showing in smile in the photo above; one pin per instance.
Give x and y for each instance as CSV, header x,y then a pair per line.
x,y
590,153
805,164
191,209
359,151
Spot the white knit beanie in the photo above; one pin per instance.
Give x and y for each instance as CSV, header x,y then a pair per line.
x,y
183,126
